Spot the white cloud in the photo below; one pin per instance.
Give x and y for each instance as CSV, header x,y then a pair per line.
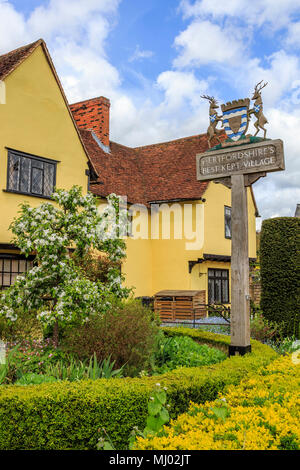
x,y
180,88
293,36
12,28
84,73
204,42
73,17
276,13
140,54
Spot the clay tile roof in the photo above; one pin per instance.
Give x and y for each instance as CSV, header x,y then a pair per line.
x,y
154,173
10,61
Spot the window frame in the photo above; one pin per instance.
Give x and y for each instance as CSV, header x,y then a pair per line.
x,y
214,278
33,158
12,257
226,236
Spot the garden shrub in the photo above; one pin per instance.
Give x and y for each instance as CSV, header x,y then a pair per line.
x,y
96,267
264,330
27,326
67,415
261,413
127,333
280,272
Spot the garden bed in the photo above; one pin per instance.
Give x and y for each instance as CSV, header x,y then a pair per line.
x,y
67,415
261,413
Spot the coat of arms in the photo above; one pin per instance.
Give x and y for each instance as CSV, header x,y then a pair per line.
x,y
236,117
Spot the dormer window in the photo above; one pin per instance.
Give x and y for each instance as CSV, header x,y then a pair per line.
x,y
29,174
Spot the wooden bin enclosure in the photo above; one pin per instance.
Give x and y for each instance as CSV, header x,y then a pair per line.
x,y
180,305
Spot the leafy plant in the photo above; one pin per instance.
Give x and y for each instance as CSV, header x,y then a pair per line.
x,y
103,369
34,379
264,330
6,369
126,333
79,370
286,345
32,356
182,351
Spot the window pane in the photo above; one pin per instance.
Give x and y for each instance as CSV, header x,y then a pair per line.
x,y
37,181
211,294
15,266
225,299
13,277
218,297
6,267
6,279
13,172
48,179
22,266
25,175
29,265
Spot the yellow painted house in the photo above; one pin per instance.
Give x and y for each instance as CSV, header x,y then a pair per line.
x,y
181,228
40,146
181,233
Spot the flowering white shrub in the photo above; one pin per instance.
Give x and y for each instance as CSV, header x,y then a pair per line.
x,y
56,287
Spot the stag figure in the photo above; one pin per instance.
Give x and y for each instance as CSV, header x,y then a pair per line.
x,y
261,120
213,119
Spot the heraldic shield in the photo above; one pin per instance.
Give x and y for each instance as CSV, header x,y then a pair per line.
x,y
236,118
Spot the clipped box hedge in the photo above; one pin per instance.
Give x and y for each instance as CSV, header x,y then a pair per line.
x,y
67,415
280,272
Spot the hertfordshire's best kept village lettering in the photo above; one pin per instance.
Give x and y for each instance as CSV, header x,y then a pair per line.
x,y
238,162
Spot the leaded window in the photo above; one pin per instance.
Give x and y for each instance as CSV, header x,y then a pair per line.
x,y
28,174
227,221
218,286
11,267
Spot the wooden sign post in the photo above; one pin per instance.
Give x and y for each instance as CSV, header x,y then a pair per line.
x,y
238,166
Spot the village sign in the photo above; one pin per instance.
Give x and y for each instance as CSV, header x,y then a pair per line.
x,y
237,162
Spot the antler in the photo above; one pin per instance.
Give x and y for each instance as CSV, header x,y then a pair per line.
x,y
209,98
263,86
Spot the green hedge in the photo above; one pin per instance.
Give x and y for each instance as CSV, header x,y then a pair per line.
x,y
280,272
67,415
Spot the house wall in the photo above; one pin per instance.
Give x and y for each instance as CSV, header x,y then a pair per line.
x,y
157,264
35,120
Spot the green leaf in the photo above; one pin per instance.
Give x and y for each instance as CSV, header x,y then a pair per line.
x,y
154,424
164,415
108,446
161,396
221,413
154,407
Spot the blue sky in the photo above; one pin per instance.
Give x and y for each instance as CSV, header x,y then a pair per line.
x,y
154,58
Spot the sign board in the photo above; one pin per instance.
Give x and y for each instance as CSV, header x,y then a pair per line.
x,y
238,162
264,156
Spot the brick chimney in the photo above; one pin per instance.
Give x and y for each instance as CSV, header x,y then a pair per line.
x,y
93,115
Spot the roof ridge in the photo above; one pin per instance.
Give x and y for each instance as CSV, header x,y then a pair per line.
x,y
22,47
171,141
12,59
